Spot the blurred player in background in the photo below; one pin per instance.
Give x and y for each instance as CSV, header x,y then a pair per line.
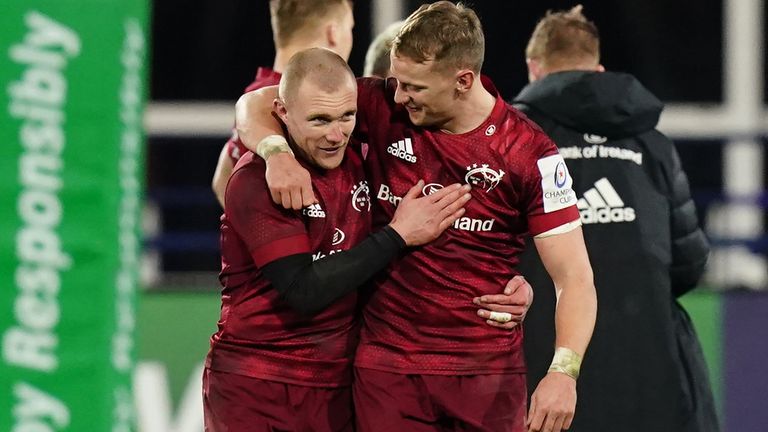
x,y
296,26
281,359
377,55
645,370
424,363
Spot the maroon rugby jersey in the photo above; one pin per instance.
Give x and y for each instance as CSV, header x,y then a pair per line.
x,y
421,318
264,77
259,335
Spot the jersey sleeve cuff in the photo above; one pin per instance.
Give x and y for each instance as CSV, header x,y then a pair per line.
x,y
277,249
235,149
562,229
545,222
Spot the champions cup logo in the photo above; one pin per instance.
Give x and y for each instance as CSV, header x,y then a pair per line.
x,y
361,198
483,177
561,175
338,237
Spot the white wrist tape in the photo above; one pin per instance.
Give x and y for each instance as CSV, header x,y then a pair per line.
x,y
273,144
566,361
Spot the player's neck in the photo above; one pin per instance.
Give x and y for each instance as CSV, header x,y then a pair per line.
x,y
471,111
282,55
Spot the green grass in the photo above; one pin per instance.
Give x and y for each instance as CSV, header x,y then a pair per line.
x,y
174,329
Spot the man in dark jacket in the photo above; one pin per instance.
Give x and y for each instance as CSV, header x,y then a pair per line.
x,y
644,370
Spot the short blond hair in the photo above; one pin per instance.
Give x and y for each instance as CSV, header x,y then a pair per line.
x,y
444,32
320,66
292,17
564,38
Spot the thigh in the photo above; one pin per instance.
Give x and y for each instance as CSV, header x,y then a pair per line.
x,y
238,403
234,402
387,402
481,403
322,409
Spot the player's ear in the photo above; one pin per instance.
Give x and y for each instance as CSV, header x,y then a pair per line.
x,y
534,69
332,35
278,106
465,78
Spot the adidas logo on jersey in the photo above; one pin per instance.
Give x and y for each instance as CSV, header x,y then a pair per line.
x,y
601,204
402,149
314,211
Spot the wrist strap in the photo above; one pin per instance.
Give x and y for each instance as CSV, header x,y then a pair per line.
x,y
271,145
566,361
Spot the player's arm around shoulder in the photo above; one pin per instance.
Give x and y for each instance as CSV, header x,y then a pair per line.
x,y
221,175
290,185
565,257
253,116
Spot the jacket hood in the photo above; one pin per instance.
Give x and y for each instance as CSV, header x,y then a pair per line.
x,y
610,104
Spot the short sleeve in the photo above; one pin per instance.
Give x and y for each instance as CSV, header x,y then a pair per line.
x,y
268,231
550,199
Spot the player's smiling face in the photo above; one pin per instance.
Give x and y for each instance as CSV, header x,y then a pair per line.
x,y
320,122
428,94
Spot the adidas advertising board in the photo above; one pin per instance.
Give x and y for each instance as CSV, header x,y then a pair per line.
x,y
602,204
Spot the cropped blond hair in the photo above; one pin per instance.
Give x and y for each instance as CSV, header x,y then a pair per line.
x,y
447,33
293,17
563,39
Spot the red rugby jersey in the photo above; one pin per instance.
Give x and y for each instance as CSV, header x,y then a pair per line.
x,y
421,318
259,335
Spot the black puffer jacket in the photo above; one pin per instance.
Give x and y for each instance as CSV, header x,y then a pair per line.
x,y
644,369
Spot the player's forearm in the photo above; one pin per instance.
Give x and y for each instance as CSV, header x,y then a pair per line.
x,y
565,258
576,312
254,120
309,286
